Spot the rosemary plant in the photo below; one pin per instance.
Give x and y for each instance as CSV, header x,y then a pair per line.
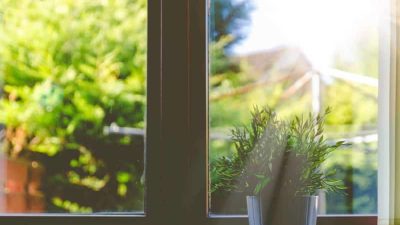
x,y
273,153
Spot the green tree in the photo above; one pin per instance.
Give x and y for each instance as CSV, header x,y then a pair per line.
x,y
229,17
228,22
70,68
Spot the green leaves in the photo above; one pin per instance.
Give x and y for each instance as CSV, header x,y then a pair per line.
x,y
262,183
278,154
249,170
307,140
70,68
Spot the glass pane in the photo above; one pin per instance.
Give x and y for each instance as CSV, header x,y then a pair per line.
x,y
290,58
73,103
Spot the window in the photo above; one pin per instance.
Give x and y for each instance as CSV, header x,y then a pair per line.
x,y
176,159
296,57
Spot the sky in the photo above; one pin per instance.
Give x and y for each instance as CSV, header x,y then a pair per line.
x,y
318,27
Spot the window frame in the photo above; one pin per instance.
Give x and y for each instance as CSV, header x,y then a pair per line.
x,y
389,120
199,94
177,129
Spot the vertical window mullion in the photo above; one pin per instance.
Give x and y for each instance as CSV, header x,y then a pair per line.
x,y
172,165
198,87
154,114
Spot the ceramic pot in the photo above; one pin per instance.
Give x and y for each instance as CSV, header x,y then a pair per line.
x,y
291,211
254,210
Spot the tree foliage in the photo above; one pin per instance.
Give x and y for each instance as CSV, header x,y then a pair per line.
x,y
229,18
228,21
70,68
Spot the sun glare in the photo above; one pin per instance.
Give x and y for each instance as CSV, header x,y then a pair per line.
x,y
318,27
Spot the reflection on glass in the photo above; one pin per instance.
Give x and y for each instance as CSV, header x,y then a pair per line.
x,y
298,57
73,105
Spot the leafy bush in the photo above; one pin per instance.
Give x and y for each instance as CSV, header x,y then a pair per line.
x,y
69,69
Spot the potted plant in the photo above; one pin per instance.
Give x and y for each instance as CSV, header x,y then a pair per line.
x,y
277,164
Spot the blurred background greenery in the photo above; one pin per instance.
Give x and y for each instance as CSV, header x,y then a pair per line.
x,y
70,70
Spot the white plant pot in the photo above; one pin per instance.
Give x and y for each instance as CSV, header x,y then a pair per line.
x,y
254,210
297,211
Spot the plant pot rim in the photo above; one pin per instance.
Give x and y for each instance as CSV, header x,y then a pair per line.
x,y
301,196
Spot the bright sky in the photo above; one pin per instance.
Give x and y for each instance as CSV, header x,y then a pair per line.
x,y
318,27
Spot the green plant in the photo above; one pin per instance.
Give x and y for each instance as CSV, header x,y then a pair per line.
x,y
230,18
308,149
250,168
273,153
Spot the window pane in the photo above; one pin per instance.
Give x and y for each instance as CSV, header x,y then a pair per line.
x,y
295,58
73,103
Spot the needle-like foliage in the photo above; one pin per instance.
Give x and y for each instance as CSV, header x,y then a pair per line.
x,y
271,153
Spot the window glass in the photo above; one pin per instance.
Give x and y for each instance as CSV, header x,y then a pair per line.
x,y
294,58
72,107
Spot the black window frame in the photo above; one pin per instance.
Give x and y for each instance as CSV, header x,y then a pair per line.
x,y
177,129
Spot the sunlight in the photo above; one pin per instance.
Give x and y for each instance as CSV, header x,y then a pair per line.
x,y
317,27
